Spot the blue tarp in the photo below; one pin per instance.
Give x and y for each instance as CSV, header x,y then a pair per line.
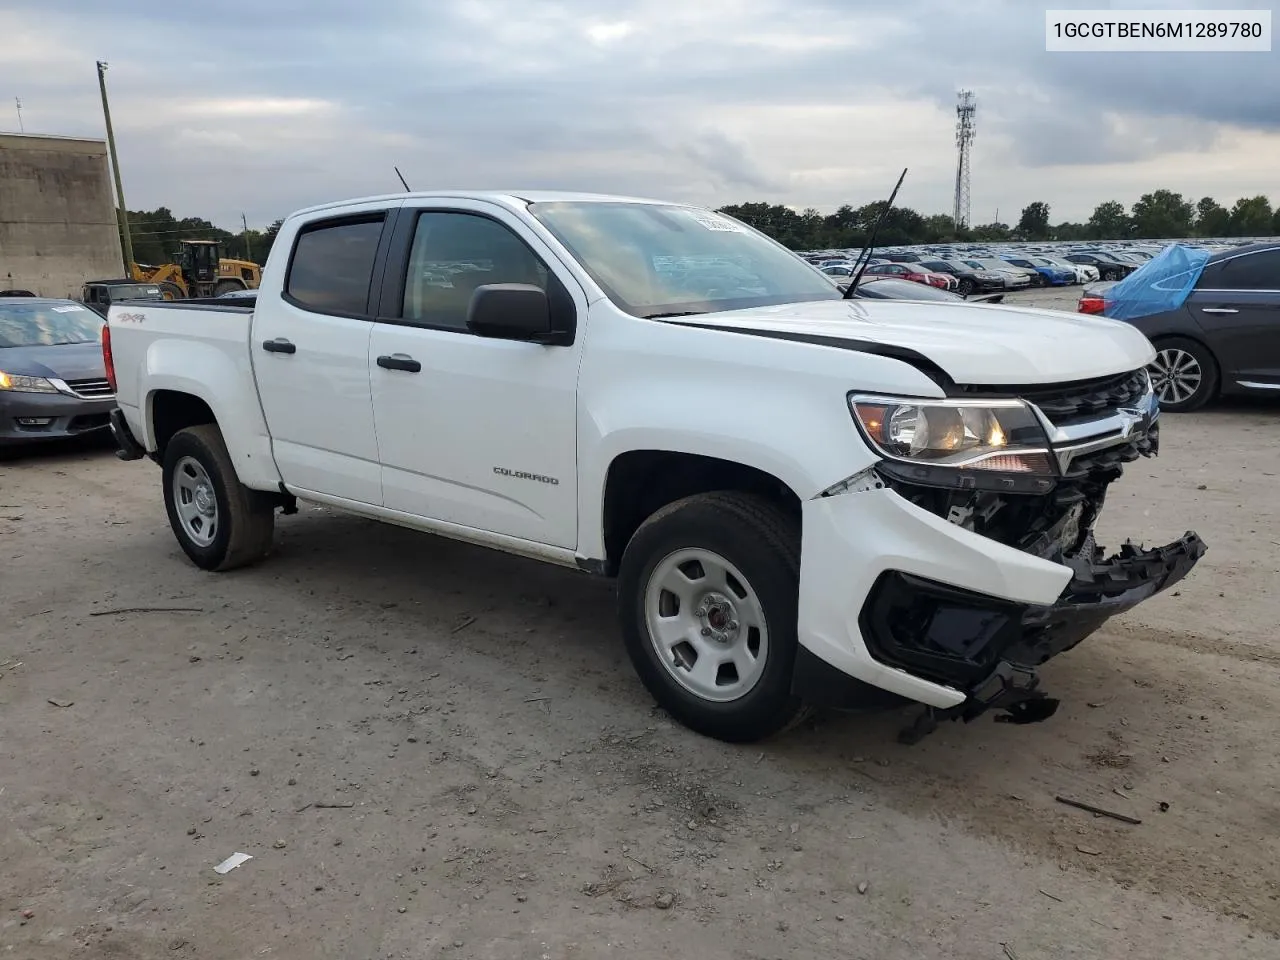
x,y
1160,284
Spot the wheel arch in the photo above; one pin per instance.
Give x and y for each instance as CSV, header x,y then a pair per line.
x,y
640,482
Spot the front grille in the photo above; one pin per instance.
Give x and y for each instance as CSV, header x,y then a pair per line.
x,y
1070,403
91,389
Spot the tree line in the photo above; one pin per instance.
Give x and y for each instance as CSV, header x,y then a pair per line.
x,y
1159,215
156,235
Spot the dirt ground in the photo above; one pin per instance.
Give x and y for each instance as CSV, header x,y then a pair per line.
x,y
431,750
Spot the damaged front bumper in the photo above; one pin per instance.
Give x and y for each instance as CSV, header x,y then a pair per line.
x,y
991,648
951,589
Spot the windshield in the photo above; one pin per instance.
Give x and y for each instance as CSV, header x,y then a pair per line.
x,y
46,324
656,260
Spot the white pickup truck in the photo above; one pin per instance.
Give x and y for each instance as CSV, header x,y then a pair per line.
x,y
806,500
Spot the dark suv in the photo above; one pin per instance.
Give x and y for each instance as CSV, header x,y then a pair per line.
x,y
1109,268
98,295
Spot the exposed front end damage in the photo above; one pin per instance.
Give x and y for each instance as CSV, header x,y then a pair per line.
x,y
990,647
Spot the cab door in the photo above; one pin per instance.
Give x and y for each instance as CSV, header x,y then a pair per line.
x,y
475,431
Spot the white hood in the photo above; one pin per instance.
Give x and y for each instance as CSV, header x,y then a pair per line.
x,y
973,343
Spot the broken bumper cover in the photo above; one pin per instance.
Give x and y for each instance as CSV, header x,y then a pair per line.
x,y
990,648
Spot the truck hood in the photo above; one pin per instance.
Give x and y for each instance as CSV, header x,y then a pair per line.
x,y
978,344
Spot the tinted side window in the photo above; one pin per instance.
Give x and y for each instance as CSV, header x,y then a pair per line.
x,y
1253,271
452,254
332,265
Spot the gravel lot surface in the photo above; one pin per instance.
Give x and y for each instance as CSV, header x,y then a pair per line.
x,y
430,750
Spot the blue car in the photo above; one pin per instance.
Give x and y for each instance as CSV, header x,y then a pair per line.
x,y
1051,273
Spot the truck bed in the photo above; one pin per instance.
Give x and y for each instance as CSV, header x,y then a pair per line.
x,y
200,348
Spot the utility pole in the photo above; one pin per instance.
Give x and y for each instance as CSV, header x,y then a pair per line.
x,y
248,251
17,102
122,212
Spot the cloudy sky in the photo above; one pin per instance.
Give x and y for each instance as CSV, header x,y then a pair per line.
x,y
263,107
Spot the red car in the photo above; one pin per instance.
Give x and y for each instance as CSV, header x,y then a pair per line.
x,y
914,273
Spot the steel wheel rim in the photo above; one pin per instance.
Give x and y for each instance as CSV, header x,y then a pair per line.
x,y
706,625
195,501
1177,375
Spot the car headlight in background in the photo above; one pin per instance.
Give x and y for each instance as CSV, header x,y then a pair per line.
x,y
987,276
20,384
1001,436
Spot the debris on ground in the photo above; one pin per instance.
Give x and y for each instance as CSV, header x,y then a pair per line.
x,y
233,861
664,901
62,703
1098,811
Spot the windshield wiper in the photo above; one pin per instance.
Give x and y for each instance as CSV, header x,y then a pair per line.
x,y
677,313
868,249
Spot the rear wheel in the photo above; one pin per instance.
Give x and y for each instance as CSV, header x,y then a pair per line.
x,y
966,287
227,286
708,591
1184,374
220,523
170,290
1110,275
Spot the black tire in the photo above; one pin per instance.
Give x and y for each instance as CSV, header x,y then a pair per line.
x,y
966,287
764,544
1209,373
1110,275
246,517
170,290
226,286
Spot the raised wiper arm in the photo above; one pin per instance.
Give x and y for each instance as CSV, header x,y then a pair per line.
x,y
865,256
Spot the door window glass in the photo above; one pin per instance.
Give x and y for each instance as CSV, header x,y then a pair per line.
x,y
1253,271
452,254
332,266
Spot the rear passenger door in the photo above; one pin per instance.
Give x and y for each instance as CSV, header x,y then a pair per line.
x,y
1236,303
311,355
475,431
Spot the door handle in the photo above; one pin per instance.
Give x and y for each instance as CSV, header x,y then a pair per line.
x,y
279,345
1218,310
400,361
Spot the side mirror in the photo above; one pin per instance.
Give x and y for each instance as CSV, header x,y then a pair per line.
x,y
512,311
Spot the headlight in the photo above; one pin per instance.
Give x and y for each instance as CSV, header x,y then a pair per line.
x,y
20,384
987,276
991,435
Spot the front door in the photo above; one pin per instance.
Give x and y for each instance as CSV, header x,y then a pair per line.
x,y
475,431
311,358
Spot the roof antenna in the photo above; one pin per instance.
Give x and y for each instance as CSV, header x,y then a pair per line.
x,y
864,257
401,176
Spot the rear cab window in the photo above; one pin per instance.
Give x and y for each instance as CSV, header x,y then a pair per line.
x,y
331,268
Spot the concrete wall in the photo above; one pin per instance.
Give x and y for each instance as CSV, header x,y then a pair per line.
x,y
57,215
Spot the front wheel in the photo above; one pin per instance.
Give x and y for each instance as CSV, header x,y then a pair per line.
x,y
1184,374
227,286
708,594
220,523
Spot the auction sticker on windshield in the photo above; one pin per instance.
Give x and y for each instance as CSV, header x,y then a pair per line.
x,y
712,222
1157,31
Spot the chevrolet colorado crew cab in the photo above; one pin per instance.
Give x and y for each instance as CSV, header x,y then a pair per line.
x,y
806,500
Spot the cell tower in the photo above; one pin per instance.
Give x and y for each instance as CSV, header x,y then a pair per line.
x,y
965,110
